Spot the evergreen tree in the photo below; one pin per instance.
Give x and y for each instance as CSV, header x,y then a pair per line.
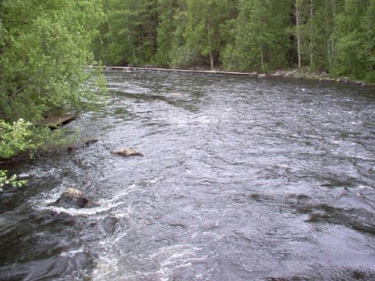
x,y
203,29
167,10
261,42
247,35
355,40
129,35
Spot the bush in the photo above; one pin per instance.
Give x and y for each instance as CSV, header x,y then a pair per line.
x,y
4,180
15,138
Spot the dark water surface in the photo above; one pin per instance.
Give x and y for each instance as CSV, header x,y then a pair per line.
x,y
242,179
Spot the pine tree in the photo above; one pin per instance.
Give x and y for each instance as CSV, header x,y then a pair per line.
x,y
261,42
203,27
355,42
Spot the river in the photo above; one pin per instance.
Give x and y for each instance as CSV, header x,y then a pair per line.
x,y
241,179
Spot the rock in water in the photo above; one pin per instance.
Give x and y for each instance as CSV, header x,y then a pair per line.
x,y
73,198
127,152
84,145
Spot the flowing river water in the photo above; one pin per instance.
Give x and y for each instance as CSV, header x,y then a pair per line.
x,y
241,179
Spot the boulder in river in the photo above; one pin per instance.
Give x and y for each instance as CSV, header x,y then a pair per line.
x,y
127,152
74,198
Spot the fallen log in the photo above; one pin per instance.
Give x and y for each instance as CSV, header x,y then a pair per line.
x,y
53,122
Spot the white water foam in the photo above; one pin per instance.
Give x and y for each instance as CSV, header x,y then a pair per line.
x,y
175,257
42,201
72,253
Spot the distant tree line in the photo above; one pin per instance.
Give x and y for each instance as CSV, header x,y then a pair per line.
x,y
336,36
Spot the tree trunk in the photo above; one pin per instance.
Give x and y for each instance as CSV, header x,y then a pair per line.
x,y
212,59
261,56
328,33
311,33
298,33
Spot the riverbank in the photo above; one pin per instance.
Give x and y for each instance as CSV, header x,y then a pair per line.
x,y
303,73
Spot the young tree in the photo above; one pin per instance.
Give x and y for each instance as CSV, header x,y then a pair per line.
x,y
44,52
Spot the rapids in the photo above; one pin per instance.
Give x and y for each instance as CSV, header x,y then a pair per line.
x,y
242,179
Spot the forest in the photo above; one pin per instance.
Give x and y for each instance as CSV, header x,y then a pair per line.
x,y
334,36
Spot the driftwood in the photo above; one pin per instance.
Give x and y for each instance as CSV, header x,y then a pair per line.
x,y
53,122
129,68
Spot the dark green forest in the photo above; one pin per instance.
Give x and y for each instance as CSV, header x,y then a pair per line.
x,y
335,36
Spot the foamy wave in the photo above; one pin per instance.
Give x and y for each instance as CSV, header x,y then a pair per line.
x,y
105,205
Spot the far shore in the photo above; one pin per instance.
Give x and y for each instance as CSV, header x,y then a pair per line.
x,y
303,73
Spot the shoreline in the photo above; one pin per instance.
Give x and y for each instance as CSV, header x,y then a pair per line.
x,y
302,73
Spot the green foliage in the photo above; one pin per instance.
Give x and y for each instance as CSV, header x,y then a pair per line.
x,y
247,35
13,181
128,37
204,19
355,36
15,138
44,52
261,41
21,137
168,11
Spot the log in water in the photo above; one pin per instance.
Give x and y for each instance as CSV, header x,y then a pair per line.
x,y
53,122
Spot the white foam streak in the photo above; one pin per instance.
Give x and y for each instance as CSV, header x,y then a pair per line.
x,y
104,205
175,257
72,253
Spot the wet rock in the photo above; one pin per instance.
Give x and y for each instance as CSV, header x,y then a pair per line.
x,y
108,225
262,75
344,80
74,198
291,73
127,152
277,74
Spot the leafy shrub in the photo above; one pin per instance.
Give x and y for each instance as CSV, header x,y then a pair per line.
x,y
15,138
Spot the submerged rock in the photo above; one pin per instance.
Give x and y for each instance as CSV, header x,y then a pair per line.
x,y
83,145
74,198
127,152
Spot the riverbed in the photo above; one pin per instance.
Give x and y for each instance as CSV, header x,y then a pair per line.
x,y
242,179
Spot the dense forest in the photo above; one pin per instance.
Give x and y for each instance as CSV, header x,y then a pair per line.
x,y
335,36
